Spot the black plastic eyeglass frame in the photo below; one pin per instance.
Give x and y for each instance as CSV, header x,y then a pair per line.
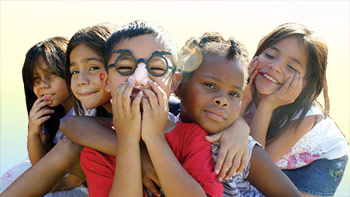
x,y
154,54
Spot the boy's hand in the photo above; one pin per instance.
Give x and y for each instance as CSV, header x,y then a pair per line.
x,y
149,176
38,115
155,112
233,153
126,113
286,94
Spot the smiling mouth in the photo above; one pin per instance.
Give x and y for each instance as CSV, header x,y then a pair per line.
x,y
270,79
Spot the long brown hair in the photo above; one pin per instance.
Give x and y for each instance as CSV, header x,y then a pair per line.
x,y
317,53
52,51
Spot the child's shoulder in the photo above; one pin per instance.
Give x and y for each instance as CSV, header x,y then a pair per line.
x,y
188,131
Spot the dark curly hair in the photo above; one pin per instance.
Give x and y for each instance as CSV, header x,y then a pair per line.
x,y
197,50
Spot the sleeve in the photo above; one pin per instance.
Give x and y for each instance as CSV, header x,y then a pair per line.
x,y
198,161
99,171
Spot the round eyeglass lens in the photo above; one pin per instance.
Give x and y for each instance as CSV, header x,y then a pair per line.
x,y
125,64
158,65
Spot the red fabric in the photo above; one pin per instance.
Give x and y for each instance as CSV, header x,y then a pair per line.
x,y
189,146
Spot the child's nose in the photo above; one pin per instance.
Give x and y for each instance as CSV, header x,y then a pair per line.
x,y
44,83
141,75
276,66
221,101
82,79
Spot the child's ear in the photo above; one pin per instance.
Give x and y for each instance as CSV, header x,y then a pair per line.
x,y
176,80
105,81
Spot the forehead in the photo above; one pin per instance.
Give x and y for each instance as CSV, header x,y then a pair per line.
x,y
41,66
228,71
293,48
141,46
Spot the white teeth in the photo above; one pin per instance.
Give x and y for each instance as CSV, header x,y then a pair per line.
x,y
270,78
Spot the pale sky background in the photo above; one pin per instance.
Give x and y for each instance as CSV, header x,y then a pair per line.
x,y
25,23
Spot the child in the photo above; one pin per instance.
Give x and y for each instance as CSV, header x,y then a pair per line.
x,y
47,96
288,74
48,102
211,93
85,54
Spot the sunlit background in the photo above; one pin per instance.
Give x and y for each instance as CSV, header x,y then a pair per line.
x,y
24,23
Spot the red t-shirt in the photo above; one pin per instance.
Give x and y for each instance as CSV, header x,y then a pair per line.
x,y
188,145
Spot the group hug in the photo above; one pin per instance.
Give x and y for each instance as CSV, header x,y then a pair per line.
x,y
120,111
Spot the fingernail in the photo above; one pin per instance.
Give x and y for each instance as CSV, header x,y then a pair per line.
x,y
216,171
220,179
111,100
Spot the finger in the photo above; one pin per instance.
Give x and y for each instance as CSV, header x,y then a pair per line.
x,y
227,164
161,94
145,105
253,75
39,105
252,65
118,97
236,162
284,89
151,187
152,98
220,159
129,86
213,138
43,119
135,109
244,162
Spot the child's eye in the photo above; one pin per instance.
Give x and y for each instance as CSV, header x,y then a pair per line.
x,y
74,72
92,68
269,56
52,74
210,85
292,68
234,94
36,80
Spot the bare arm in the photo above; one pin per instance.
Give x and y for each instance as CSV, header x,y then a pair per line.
x,y
90,132
283,143
37,146
154,121
127,179
267,177
167,165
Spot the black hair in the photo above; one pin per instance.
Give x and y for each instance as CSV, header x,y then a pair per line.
x,y
137,28
95,38
52,51
197,50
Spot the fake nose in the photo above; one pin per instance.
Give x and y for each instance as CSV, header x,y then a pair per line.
x,y
140,75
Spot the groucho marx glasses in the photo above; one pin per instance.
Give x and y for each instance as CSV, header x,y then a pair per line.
x,y
126,63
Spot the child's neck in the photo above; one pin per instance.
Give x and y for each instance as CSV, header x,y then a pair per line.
x,y
67,105
108,106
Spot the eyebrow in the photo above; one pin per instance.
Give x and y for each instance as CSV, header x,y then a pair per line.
x,y
218,79
293,58
88,59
